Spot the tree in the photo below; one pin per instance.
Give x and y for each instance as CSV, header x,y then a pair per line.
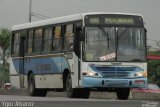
x,y
5,35
154,69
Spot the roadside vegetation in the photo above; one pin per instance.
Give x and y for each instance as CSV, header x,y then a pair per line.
x,y
154,69
5,35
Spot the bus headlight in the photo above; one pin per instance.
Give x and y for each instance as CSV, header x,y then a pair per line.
x,y
90,74
139,74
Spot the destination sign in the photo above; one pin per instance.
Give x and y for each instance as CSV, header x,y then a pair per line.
x,y
119,21
94,20
115,19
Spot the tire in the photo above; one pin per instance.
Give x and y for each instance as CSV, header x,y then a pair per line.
x,y
31,86
123,93
33,91
85,93
42,93
71,92
75,92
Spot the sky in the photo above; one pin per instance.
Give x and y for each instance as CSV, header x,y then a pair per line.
x,y
16,11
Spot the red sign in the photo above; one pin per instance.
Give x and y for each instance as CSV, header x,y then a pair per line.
x,y
153,57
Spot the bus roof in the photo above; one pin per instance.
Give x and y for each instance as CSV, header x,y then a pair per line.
x,y
59,20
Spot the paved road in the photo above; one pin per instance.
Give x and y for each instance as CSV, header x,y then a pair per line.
x,y
26,101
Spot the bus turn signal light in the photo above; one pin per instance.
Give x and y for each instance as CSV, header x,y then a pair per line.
x,y
139,81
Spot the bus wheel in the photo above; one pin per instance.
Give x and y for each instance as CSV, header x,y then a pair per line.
x,y
71,92
85,93
123,93
31,85
42,92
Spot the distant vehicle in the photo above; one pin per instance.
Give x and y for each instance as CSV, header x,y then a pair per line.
x,y
78,53
151,88
7,86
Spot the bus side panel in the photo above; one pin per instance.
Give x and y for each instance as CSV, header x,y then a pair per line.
x,y
52,81
14,72
47,70
52,72
33,64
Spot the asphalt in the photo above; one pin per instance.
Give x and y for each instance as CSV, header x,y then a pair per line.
x,y
27,101
94,95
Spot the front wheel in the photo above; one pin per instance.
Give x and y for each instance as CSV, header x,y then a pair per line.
x,y
76,92
85,93
123,93
71,92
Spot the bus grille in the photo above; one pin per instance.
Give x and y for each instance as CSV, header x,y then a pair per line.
x,y
117,72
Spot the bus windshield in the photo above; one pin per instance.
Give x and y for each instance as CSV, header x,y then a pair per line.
x,y
114,44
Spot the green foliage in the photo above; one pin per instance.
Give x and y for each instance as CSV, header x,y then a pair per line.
x,y
154,69
4,74
5,35
154,53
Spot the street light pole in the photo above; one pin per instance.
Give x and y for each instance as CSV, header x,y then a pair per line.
x,y
30,10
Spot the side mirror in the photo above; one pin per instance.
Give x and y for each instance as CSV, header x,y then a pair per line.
x,y
145,30
80,34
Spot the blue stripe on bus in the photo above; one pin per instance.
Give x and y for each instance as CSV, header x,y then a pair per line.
x,y
50,65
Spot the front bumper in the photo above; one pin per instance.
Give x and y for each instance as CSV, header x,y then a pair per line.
x,y
92,82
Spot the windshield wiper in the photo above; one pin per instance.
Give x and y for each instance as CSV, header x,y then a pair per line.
x,y
105,33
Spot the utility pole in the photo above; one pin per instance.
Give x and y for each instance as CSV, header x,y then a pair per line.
x,y
30,10
31,13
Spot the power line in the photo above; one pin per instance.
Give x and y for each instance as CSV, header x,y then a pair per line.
x,y
35,14
39,15
152,45
153,40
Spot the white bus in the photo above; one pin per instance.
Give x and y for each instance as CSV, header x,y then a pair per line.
x,y
80,53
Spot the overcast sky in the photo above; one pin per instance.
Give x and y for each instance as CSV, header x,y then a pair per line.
x,y
16,11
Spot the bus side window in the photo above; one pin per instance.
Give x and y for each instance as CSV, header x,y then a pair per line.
x,y
16,43
30,42
47,39
23,43
57,39
38,40
68,40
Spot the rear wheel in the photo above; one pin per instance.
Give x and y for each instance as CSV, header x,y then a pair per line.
x,y
42,92
32,90
31,86
123,93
